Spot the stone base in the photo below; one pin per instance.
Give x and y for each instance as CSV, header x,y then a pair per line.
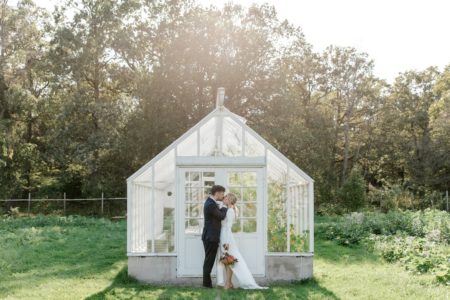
x,y
163,270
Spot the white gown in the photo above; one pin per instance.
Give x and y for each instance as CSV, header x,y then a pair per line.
x,y
242,277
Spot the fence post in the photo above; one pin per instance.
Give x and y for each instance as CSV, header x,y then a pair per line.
x,y
102,203
64,201
29,203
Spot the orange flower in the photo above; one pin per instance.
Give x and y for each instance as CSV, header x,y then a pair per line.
x,y
228,259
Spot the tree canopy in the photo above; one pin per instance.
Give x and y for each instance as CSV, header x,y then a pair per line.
x,y
94,89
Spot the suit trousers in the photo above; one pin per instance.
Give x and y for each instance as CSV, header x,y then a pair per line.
x,y
208,264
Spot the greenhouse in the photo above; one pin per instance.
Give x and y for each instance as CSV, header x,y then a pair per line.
x,y
274,228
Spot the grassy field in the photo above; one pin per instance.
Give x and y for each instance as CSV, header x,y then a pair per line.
x,y
84,258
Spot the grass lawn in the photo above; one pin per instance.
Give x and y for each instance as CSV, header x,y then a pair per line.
x,y
84,258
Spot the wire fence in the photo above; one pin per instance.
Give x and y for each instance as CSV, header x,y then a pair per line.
x,y
102,206
115,207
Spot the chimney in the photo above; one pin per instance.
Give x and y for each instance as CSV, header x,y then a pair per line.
x,y
220,97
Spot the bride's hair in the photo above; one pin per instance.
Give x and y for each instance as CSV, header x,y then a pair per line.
x,y
233,199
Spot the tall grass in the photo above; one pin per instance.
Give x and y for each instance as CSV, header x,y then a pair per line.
x,y
419,240
48,257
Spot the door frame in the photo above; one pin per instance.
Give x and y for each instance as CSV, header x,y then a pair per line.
x,y
261,212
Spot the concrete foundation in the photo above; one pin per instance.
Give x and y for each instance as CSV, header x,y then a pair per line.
x,y
163,270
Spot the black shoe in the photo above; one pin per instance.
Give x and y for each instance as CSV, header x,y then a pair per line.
x,y
207,286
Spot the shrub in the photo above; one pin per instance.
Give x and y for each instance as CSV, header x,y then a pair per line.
x,y
392,198
419,240
352,194
329,209
416,254
14,211
349,231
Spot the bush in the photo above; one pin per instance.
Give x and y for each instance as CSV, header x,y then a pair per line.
x,y
396,197
432,223
418,255
14,211
392,198
419,240
329,209
352,194
433,199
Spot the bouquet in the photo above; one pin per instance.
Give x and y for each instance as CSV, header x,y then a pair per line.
x,y
227,259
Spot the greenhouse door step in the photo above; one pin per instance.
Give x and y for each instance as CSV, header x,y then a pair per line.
x,y
194,185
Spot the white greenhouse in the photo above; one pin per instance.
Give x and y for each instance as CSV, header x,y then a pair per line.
x,y
275,226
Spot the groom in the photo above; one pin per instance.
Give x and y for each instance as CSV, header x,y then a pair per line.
x,y
211,231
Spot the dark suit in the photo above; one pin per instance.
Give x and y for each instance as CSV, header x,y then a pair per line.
x,y
211,236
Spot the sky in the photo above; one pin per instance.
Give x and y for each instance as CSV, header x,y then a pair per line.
x,y
399,35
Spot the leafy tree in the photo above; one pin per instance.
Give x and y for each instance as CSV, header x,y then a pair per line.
x,y
352,194
91,94
24,82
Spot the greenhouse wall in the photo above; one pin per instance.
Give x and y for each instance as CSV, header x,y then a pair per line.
x,y
164,207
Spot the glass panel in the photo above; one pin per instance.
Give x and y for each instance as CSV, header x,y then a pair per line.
x,y
295,178
209,175
277,210
249,194
236,227
252,146
193,226
249,178
193,210
249,225
299,231
164,203
140,211
168,227
197,190
248,210
234,179
201,195
208,138
276,168
242,178
193,222
243,185
188,194
145,177
194,192
188,147
236,191
195,184
209,183
195,176
231,138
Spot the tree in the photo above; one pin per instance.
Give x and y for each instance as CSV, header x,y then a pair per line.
x,y
24,83
439,114
351,84
405,129
352,194
94,103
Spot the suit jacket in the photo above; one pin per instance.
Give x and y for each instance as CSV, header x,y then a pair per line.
x,y
213,220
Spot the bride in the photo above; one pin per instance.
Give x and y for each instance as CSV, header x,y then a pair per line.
x,y
242,276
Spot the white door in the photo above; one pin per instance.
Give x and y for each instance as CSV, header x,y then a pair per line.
x,y
248,230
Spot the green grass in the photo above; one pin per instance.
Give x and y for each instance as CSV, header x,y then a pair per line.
x,y
73,258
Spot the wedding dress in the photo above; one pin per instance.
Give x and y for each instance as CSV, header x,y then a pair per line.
x,y
242,277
